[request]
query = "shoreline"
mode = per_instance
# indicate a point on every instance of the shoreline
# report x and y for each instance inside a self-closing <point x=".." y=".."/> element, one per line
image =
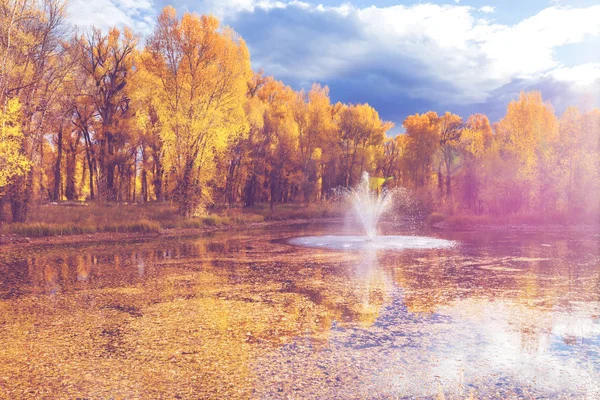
<point x="10" y="241"/>
<point x="513" y="227"/>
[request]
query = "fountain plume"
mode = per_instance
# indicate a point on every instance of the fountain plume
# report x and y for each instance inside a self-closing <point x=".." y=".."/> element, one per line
<point x="369" y="205"/>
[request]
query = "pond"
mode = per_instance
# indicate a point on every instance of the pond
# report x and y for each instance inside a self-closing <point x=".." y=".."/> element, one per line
<point x="246" y="314"/>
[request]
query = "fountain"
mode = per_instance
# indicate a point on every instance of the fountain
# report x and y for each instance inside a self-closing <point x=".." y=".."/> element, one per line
<point x="368" y="206"/>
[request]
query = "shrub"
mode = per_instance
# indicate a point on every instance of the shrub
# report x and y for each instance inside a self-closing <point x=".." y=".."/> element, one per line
<point x="41" y="229"/>
<point x="143" y="226"/>
<point x="435" y="218"/>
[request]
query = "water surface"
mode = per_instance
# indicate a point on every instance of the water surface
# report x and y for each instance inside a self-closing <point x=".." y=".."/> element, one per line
<point x="245" y="314"/>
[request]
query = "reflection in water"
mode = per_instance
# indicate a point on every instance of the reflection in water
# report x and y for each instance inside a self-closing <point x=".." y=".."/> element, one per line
<point x="372" y="287"/>
<point x="235" y="317"/>
<point x="51" y="270"/>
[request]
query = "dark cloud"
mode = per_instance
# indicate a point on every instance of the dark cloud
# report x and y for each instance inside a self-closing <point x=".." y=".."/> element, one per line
<point x="291" y="40"/>
<point x="295" y="46"/>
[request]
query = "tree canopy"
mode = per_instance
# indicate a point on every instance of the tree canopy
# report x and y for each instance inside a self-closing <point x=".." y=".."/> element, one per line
<point x="181" y="116"/>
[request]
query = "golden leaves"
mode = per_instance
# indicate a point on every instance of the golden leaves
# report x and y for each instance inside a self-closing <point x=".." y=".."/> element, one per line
<point x="201" y="71"/>
<point x="13" y="162"/>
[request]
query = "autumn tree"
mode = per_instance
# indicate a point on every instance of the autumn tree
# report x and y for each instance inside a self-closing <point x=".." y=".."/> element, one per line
<point x="30" y="34"/>
<point x="590" y="150"/>
<point x="184" y="118"/>
<point x="389" y="161"/>
<point x="362" y="133"/>
<point x="578" y="150"/>
<point x="107" y="61"/>
<point x="450" y="128"/>
<point x="146" y="101"/>
<point x="203" y="71"/>
<point x="526" y="138"/>
<point x="13" y="162"/>
<point x="422" y="132"/>
<point x="250" y="159"/>
<point x="330" y="164"/>
<point x="473" y="145"/>
<point x="83" y="120"/>
<point x="281" y="141"/>
<point x="312" y="112"/>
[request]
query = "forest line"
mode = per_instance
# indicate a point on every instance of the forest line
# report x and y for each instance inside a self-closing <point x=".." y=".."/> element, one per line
<point x="180" y="116"/>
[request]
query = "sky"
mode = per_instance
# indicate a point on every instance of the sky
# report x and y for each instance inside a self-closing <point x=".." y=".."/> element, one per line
<point x="405" y="57"/>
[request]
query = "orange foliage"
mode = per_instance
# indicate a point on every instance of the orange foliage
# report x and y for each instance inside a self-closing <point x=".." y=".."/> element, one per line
<point x="185" y="118"/>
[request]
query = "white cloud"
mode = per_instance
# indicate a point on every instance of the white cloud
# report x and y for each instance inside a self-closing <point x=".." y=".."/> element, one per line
<point x="229" y="8"/>
<point x="581" y="75"/>
<point x="451" y="54"/>
<point x="526" y="50"/>
<point x="104" y="14"/>
<point x="450" y="44"/>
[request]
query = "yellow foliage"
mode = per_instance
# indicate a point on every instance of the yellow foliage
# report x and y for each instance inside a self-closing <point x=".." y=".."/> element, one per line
<point x="201" y="71"/>
<point x="526" y="131"/>
<point x="187" y="115"/>
<point x="13" y="162"/>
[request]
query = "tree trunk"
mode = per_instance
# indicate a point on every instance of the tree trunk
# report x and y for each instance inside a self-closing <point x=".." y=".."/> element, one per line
<point x="250" y="191"/>
<point x="111" y="193"/>
<point x="102" y="156"/>
<point x="84" y="176"/>
<point x="57" y="167"/>
<point x="448" y="181"/>
<point x="134" y="179"/>
<point x="70" y="191"/>
<point x="20" y="194"/>
<point x="230" y="196"/>
<point x="274" y="186"/>
<point x="107" y="165"/>
<point x="91" y="160"/>
<point x="350" y="179"/>
<point x="144" y="185"/>
<point x="187" y="196"/>
<point x="3" y="199"/>
<point x="440" y="177"/>
<point x="43" y="192"/>
<point x="125" y="177"/>
<point x="158" y="178"/>
<point x="91" y="168"/>
<point x="165" y="188"/>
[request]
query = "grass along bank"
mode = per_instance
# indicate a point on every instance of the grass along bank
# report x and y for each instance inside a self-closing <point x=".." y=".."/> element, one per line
<point x="78" y="218"/>
<point x="470" y="221"/>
